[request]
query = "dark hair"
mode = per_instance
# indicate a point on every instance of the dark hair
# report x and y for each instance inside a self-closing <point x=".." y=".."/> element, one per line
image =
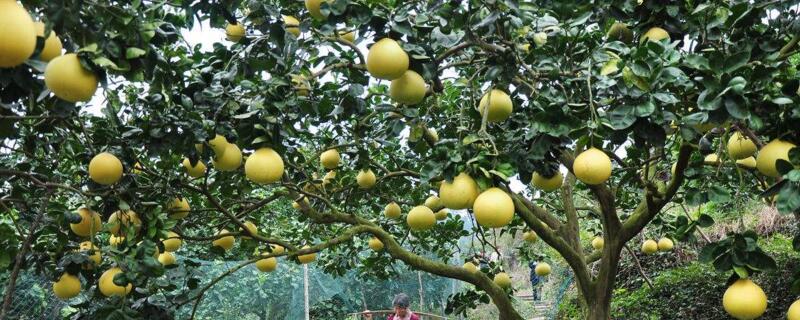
<point x="401" y="300"/>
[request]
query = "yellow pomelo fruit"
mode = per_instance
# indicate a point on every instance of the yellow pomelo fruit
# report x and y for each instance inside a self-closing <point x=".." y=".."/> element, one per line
<point x="277" y="249"/>
<point x="329" y="178"/>
<point x="68" y="80"/>
<point x="493" y="208"/>
<point x="470" y="267"/>
<point x="387" y="60"/>
<point x="776" y="149"/>
<point x="502" y="280"/>
<point x="665" y="244"/>
<point x="251" y="230"/>
<point x="219" y="145"/>
<point x="744" y="300"/>
<point x="297" y="205"/>
<point x="459" y="194"/>
<point x="115" y="240"/>
<point x="540" y="38"/>
<point x="711" y="159"/>
<point x="375" y="244"/>
<point x="89" y="225"/>
<point x="348" y="36"/>
<point x="392" y="211"/>
<point x="105" y="169"/>
<point x="17" y="34"/>
<point x="172" y="243"/>
<point x="329" y="159"/>
<point x="120" y="219"/>
<point x="547" y="184"/>
<point x="442" y="214"/>
<point x="366" y="179"/>
<point x="655" y="34"/>
<point x="530" y="236"/>
<point x="619" y="32"/>
<point x="307" y="258"/>
<point x="166" y="258"/>
<point x="230" y="160"/>
<point x="433" y="202"/>
<point x="592" y="166"/>
<point x="292" y="25"/>
<point x="740" y="147"/>
<point x="178" y="208"/>
<point x="300" y="84"/>
<point x="234" y="32"/>
<point x="598" y="243"/>
<point x="408" y="89"/>
<point x="107" y="286"/>
<point x="749" y="162"/>
<point x="264" y="166"/>
<point x="195" y="172"/>
<point x="794" y="311"/>
<point x="225" y="242"/>
<point x="649" y="246"/>
<point x="95" y="256"/>
<point x="313" y="7"/>
<point x="52" y="45"/>
<point x="421" y="218"/>
<point x="499" y="105"/>
<point x="67" y="286"/>
<point x="542" y="269"/>
<point x="267" y="264"/>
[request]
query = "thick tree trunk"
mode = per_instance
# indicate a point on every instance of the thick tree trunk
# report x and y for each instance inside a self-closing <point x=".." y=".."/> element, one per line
<point x="601" y="290"/>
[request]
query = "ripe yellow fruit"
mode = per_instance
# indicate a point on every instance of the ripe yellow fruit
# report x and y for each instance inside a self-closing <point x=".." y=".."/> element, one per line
<point x="230" y="160"/>
<point x="366" y="179"/>
<point x="195" y="172"/>
<point x="277" y="249"/>
<point x="740" y="147"/>
<point x="115" y="240"/>
<point x="264" y="166"/>
<point x="502" y="280"/>
<point x="348" y="36"/>
<point x="711" y="159"/>
<point x="542" y="269"/>
<point x="442" y="214"/>
<point x="120" y="219"/>
<point x="18" y="36"/>
<point x="178" y="208"/>
<point x="619" y="32"/>
<point x="267" y="264"/>
<point x="95" y="257"/>
<point x="307" y="258"/>
<point x="459" y="194"/>
<point x="649" y="246"/>
<point x="292" y="25"/>
<point x="107" y="286"/>
<point x="300" y="84"/>
<point x="329" y="159"/>
<point x="547" y="184"/>
<point x="67" y="286"/>
<point x="68" y="80"/>
<point x="219" y="145"/>
<point x="655" y="34"/>
<point x="89" y="225"/>
<point x="744" y="300"/>
<point x="499" y="105"/>
<point x="313" y="7"/>
<point x="530" y="236"/>
<point x="540" y="38"/>
<point x="408" y="89"/>
<point x="433" y="202"/>
<point x="592" y="166"/>
<point x="296" y="205"/>
<point x="387" y="60"/>
<point x="328" y="178"/>
<point x="392" y="211"/>
<point x="52" y="45"/>
<point x="251" y="230"/>
<point x="234" y="32"/>
<point x="776" y="149"/>
<point x="166" y="258"/>
<point x="225" y="242"/>
<point x="794" y="311"/>
<point x="470" y="267"/>
<point x="375" y="244"/>
<point x="494" y="208"/>
<point x="749" y="162"/>
<point x="172" y="243"/>
<point x="598" y="243"/>
<point x="105" y="169"/>
<point x="421" y="218"/>
<point x="665" y="244"/>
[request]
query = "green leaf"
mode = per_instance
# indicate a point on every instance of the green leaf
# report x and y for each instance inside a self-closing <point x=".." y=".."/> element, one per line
<point x="718" y="194"/>
<point x="134" y="52"/>
<point x="781" y="100"/>
<point x="736" y="61"/>
<point x="705" y="220"/>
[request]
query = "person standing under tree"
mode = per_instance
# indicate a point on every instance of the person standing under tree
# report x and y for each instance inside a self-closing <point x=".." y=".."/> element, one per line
<point x="535" y="280"/>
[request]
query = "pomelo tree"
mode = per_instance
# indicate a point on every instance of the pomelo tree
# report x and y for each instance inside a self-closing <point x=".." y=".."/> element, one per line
<point x="341" y="130"/>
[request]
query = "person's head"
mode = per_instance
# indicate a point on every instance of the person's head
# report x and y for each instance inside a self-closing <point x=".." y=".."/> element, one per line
<point x="401" y="302"/>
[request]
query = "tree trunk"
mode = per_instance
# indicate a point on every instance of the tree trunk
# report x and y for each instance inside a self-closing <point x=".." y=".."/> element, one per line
<point x="599" y="301"/>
